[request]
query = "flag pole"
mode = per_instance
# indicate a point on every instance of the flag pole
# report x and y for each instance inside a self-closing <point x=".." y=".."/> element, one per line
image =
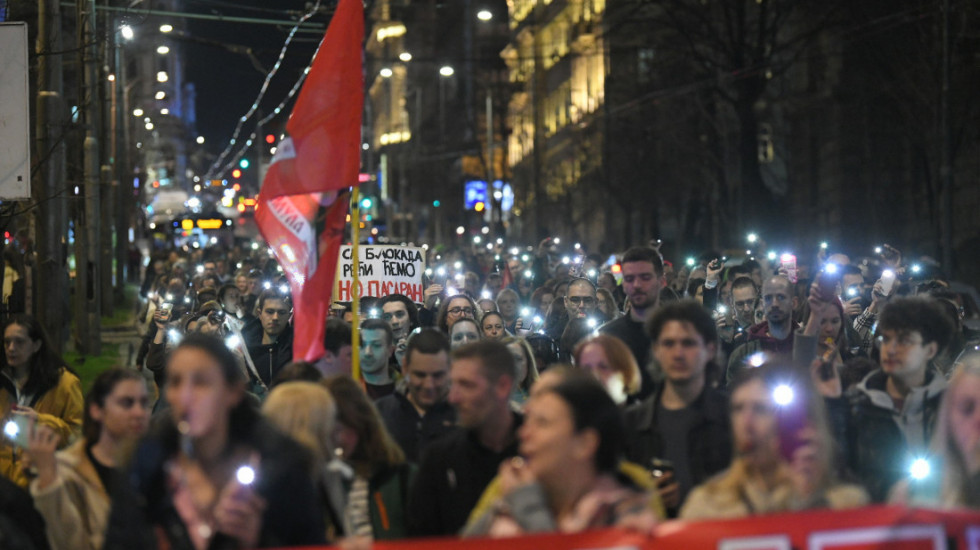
<point x="355" y="237"/>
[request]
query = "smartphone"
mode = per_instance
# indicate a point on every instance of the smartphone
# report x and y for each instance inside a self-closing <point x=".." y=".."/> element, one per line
<point x="659" y="468"/>
<point x="887" y="281"/>
<point x="791" y="419"/>
<point x="827" y="284"/>
<point x="17" y="429"/>
<point x="166" y="309"/>
<point x="788" y="263"/>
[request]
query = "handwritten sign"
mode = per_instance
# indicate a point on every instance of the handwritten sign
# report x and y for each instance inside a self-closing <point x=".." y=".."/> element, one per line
<point x="383" y="270"/>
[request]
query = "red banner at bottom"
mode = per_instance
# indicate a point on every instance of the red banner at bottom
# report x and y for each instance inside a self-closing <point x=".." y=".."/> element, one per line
<point x="892" y="528"/>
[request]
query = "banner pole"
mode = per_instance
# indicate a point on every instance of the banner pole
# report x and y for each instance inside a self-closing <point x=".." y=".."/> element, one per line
<point x="355" y="294"/>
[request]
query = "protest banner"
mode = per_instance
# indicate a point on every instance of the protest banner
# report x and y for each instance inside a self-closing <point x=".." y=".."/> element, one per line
<point x="383" y="270"/>
<point x="871" y="528"/>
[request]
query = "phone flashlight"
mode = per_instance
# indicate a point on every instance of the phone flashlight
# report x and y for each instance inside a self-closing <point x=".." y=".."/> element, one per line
<point x="232" y="341"/>
<point x="878" y="250"/>
<point x="266" y="285"/>
<point x="441" y="271"/>
<point x="722" y="309"/>
<point x="477" y="239"/>
<point x="556" y="240"/>
<point x="200" y="269"/>
<point x="592" y="273"/>
<point x="783" y="395"/>
<point x="771" y="256"/>
<point x="916" y="268"/>
<point x="284" y="288"/>
<point x="537" y="319"/>
<point x="374" y="313"/>
<point x="752" y="237"/>
<point x="528" y="274"/>
<point x="428" y="272"/>
<point x="458" y="265"/>
<point x="514" y="251"/>
<point x="525" y="311"/>
<point x="565" y="260"/>
<point x="592" y="322"/>
<point x="578" y="246"/>
<point x="245" y="475"/>
<point x="486" y="295"/>
<point x="451" y="291"/>
<point x="690" y="262"/>
<point x="823" y="245"/>
<point x="920" y="469"/>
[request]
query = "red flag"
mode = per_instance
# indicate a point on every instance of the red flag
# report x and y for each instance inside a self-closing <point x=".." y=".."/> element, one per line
<point x="300" y="212"/>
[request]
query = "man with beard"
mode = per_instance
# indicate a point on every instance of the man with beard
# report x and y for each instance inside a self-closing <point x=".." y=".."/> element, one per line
<point x="269" y="337"/>
<point x="643" y="278"/>
<point x="775" y="335"/>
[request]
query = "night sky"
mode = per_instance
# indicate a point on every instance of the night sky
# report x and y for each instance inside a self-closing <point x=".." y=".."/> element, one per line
<point x="227" y="81"/>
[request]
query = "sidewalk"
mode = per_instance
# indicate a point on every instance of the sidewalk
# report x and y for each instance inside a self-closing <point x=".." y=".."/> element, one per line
<point x="120" y="343"/>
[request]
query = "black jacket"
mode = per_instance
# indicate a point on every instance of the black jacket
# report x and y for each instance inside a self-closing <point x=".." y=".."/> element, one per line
<point x="878" y="449"/>
<point x="709" y="442"/>
<point x="413" y="432"/>
<point x="636" y="338"/>
<point x="453" y="474"/>
<point x="268" y="359"/>
<point x="143" y="510"/>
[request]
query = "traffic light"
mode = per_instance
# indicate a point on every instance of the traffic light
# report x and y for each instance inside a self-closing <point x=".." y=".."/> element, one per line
<point x="236" y="173"/>
<point x="436" y="203"/>
<point x="243" y="164"/>
<point x="367" y="202"/>
<point x="270" y="139"/>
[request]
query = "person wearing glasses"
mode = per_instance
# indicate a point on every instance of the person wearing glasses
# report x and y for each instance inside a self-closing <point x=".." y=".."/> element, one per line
<point x="454" y="309"/>
<point x="581" y="299"/>
<point x="893" y="410"/>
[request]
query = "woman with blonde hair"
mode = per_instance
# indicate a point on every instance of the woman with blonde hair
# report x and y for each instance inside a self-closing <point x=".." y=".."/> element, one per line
<point x="950" y="478"/>
<point x="527" y="369"/>
<point x="783" y="459"/>
<point x="611" y="361"/>
<point x="306" y="412"/>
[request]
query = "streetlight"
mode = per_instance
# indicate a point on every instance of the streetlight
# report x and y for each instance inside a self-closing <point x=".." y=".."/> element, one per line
<point x="200" y="140"/>
<point x="484" y="15"/>
<point x="166" y="27"/>
<point x="162" y="76"/>
<point x="405" y="56"/>
<point x="161" y="95"/>
<point x="127" y="32"/>
<point x="163" y="50"/>
<point x="386" y="72"/>
<point x="446" y="71"/>
<point x="137" y="112"/>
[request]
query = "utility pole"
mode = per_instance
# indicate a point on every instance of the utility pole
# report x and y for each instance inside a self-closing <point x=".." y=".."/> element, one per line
<point x="51" y="216"/>
<point x="88" y="301"/>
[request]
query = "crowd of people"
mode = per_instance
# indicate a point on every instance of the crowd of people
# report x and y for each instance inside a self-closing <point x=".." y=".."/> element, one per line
<point x="530" y="391"/>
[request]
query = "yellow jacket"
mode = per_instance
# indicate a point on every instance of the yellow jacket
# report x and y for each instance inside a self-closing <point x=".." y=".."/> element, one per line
<point x="60" y="408"/>
<point x="75" y="506"/>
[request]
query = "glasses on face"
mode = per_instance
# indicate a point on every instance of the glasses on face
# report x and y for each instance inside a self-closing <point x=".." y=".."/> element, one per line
<point x="581" y="300"/>
<point x="461" y="310"/>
